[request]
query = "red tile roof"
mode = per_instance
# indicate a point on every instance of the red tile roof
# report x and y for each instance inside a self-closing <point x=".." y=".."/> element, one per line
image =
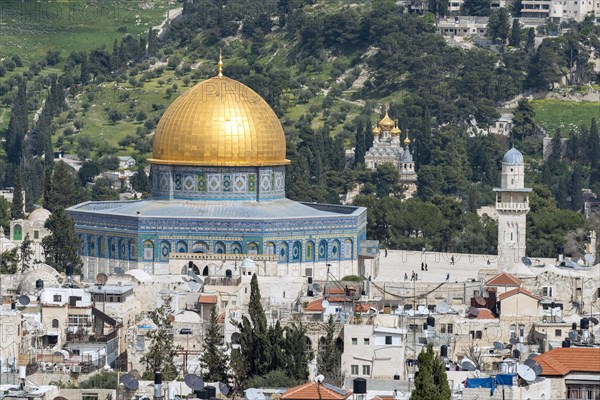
<point x="207" y="299"/>
<point x="561" y="361"/>
<point x="336" y="290"/>
<point x="516" y="291"/>
<point x="315" y="306"/>
<point x="484" y="313"/>
<point x="361" y="307"/>
<point x="312" y="390"/>
<point x="504" y="279"/>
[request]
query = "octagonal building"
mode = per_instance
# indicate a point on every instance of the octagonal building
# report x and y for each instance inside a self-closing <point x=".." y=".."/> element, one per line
<point x="218" y="197"/>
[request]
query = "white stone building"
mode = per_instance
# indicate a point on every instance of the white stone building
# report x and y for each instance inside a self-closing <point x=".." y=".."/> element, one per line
<point x="33" y="226"/>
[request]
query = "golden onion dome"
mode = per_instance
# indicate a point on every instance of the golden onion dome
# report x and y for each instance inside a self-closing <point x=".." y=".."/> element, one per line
<point x="407" y="140"/>
<point x="219" y="122"/>
<point x="395" y="130"/>
<point x="386" y="124"/>
<point x="376" y="131"/>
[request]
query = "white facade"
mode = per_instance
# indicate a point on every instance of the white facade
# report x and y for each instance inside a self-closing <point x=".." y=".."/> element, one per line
<point x="512" y="206"/>
<point x="560" y="9"/>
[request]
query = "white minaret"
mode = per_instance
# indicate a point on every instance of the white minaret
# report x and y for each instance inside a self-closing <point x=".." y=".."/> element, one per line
<point x="512" y="205"/>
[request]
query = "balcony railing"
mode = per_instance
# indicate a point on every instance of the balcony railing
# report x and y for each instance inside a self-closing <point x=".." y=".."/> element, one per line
<point x="512" y="206"/>
<point x="81" y="337"/>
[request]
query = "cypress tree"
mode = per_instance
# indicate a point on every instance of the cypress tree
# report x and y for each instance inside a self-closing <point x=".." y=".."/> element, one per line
<point x="556" y="147"/>
<point x="60" y="246"/>
<point x="16" y="210"/>
<point x="577" y="183"/>
<point x="593" y="152"/>
<point x="530" y="43"/>
<point x="297" y="354"/>
<point x="431" y="381"/>
<point x="64" y="191"/>
<point x="214" y="359"/>
<point x="515" y="34"/>
<point x="360" y="149"/>
<point x="329" y="358"/>
<point x="17" y="126"/>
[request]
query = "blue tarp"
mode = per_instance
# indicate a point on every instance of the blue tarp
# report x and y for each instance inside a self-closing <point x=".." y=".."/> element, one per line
<point x="504" y="379"/>
<point x="475" y="383"/>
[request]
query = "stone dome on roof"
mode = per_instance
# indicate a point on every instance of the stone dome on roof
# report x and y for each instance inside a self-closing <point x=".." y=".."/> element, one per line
<point x="44" y="272"/>
<point x="219" y="122"/>
<point x="39" y="214"/>
<point x="513" y="157"/>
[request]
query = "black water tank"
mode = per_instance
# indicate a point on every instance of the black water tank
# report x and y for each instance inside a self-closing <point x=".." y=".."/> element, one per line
<point x="359" y="386"/>
<point x="566" y="343"/>
<point x="157" y="378"/>
<point x="39" y="284"/>
<point x="70" y="269"/>
<point x="516" y="354"/>
<point x="310" y="280"/>
<point x="574" y="326"/>
<point x="396" y="377"/>
<point x="584" y="324"/>
<point x="444" y="351"/>
<point x="228" y="274"/>
<point x="430" y="321"/>
<point x="211" y="391"/>
<point x="201" y="394"/>
<point x="13" y="305"/>
<point x="424" y="326"/>
<point x="310" y="293"/>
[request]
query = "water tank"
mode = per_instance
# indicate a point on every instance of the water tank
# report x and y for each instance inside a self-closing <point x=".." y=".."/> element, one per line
<point x="13" y="305"/>
<point x="444" y="351"/>
<point x="201" y="394"/>
<point x="574" y="326"/>
<point x="516" y="354"/>
<point x="211" y="391"/>
<point x="310" y="280"/>
<point x="157" y="377"/>
<point x="310" y="293"/>
<point x="566" y="343"/>
<point x="70" y="269"/>
<point x="396" y="377"/>
<point x="39" y="284"/>
<point x="359" y="386"/>
<point x="431" y="321"/>
<point x="584" y="324"/>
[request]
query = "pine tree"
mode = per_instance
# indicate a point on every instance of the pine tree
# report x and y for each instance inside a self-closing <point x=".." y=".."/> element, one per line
<point x="160" y="355"/>
<point x="329" y="358"/>
<point x="360" y="147"/>
<point x="556" y="147"/>
<point x="17" y="126"/>
<point x="214" y="360"/>
<point x="60" y="247"/>
<point x="278" y="346"/>
<point x="16" y="210"/>
<point x="530" y="43"/>
<point x="26" y="253"/>
<point x="64" y="191"/>
<point x="297" y="354"/>
<point x="515" y="33"/>
<point x="431" y="381"/>
<point x="577" y="183"/>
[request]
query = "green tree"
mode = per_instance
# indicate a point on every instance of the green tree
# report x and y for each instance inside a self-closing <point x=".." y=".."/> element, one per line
<point x="386" y="179"/>
<point x="523" y="124"/>
<point x="530" y="42"/>
<point x="214" y="360"/>
<point x="329" y="357"/>
<point x="60" y="247"/>
<point x="9" y="261"/>
<point x="17" y="127"/>
<point x="140" y="181"/>
<point x="88" y="171"/>
<point x="16" y="210"/>
<point x="431" y="381"/>
<point x="297" y="356"/>
<point x="479" y="8"/>
<point x="593" y="151"/>
<point x="556" y="147"/>
<point x="103" y="191"/>
<point x="498" y="26"/>
<point x="515" y="33"/>
<point x="26" y="253"/>
<point x="160" y="355"/>
<point x="64" y="191"/>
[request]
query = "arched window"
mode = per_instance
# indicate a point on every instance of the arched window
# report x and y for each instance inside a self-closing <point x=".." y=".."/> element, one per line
<point x="205" y="271"/>
<point x="236" y="248"/>
<point x="348" y="249"/>
<point x="235" y="338"/>
<point x="55" y="323"/>
<point x="148" y="250"/>
<point x="17" y="232"/>
<point x="308" y="343"/>
<point x="323" y="251"/>
<point x="310" y="251"/>
<point x="220" y="248"/>
<point x="132" y="250"/>
<point x="335" y="250"/>
<point x="283" y="252"/>
<point x="252" y="248"/>
<point x="297" y="252"/>
<point x="101" y="246"/>
<point x="270" y="248"/>
<point x="181" y="247"/>
<point x="165" y="249"/>
<point x="200" y="247"/>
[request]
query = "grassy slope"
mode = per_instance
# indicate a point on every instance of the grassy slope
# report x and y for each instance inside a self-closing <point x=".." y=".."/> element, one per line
<point x="566" y="115"/>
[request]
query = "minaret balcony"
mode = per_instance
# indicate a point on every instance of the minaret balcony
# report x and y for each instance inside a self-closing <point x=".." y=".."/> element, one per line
<point x="512" y="206"/>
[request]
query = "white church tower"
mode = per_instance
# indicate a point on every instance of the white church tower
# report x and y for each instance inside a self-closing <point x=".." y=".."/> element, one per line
<point x="512" y="205"/>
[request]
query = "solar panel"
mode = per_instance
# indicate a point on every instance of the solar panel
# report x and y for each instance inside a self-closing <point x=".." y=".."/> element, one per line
<point x="335" y="389"/>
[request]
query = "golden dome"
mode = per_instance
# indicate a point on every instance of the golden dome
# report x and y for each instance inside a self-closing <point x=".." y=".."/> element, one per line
<point x="395" y="130"/>
<point x="386" y="124"/>
<point x="376" y="131"/>
<point x="407" y="140"/>
<point x="219" y="122"/>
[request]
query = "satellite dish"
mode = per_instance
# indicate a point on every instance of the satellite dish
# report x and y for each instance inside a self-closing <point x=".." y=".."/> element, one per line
<point x="171" y="318"/>
<point x="473" y="311"/>
<point x="325" y="303"/>
<point x="467" y="364"/>
<point x="512" y="340"/>
<point x="532" y="355"/>
<point x="119" y="271"/>
<point x="594" y="320"/>
<point x="526" y="373"/>
<point x="317" y="287"/>
<point x="319" y="378"/>
<point x="224" y="389"/>
<point x="194" y="286"/>
<point x="480" y="300"/>
<point x="130" y="382"/>
<point x="442" y="307"/>
<point x="526" y="261"/>
<point x="194" y="382"/>
<point x="101" y="278"/>
<point x="24" y="300"/>
<point x="534" y="365"/>
<point x="498" y="346"/>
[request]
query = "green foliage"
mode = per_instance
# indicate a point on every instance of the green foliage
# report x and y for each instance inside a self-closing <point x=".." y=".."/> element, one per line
<point x="431" y="382"/>
<point x="103" y="190"/>
<point x="60" y="247"/>
<point x="214" y="360"/>
<point x="498" y="26"/>
<point x="161" y="353"/>
<point x="26" y="253"/>
<point x="100" y="380"/>
<point x="329" y="357"/>
<point x="16" y="209"/>
<point x="64" y="190"/>
<point x="277" y="378"/>
<point x="352" y="278"/>
<point x="10" y="261"/>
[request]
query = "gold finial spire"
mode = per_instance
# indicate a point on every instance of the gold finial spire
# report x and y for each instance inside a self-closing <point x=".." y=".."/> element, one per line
<point x="407" y="140"/>
<point x="220" y="63"/>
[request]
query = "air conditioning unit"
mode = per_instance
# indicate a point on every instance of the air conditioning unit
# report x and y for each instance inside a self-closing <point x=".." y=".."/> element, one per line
<point x="76" y="369"/>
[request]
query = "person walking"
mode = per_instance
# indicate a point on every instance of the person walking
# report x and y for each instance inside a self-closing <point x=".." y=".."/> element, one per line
<point x="452" y="260"/>
<point x="426" y="267"/>
<point x="447" y="276"/>
<point x="422" y="266"/>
